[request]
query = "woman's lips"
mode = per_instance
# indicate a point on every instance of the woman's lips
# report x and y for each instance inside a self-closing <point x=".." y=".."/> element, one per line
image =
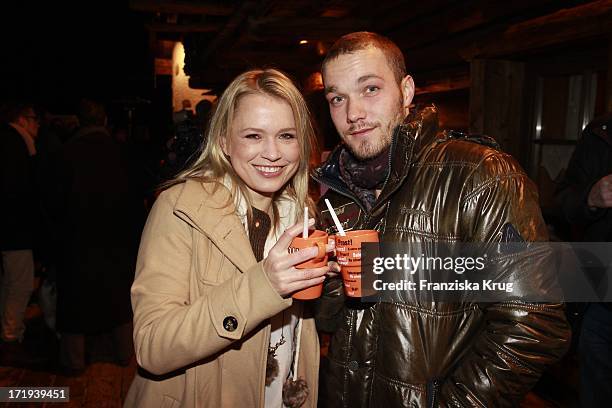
<point x="269" y="171"/>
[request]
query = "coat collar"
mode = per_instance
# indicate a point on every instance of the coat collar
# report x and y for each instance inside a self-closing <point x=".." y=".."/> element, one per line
<point x="205" y="207"/>
<point x="417" y="132"/>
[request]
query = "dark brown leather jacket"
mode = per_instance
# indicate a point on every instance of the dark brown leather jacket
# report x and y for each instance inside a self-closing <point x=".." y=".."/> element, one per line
<point x="439" y="354"/>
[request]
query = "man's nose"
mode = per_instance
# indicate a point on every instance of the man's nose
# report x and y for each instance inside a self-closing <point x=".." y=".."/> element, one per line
<point x="355" y="111"/>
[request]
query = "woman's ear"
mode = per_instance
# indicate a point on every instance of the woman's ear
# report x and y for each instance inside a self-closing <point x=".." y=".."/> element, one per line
<point x="407" y="88"/>
<point x="223" y="141"/>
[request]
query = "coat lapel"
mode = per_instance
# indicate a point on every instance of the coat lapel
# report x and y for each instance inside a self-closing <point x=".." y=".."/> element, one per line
<point x="209" y="213"/>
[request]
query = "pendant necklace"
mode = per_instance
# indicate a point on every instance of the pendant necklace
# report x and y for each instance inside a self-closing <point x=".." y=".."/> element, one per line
<point x="272" y="366"/>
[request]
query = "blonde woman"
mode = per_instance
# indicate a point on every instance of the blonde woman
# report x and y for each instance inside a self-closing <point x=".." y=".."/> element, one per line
<point x="214" y="322"/>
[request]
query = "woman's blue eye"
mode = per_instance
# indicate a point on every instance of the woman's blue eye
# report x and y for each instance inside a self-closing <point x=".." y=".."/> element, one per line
<point x="287" y="136"/>
<point x="252" y="136"/>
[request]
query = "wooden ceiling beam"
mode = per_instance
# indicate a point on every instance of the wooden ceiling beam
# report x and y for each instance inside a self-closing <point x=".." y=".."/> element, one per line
<point x="184" y="28"/>
<point x="316" y="28"/>
<point x="463" y="20"/>
<point x="230" y="30"/>
<point x="572" y="24"/>
<point x="181" y="7"/>
<point x="242" y="58"/>
<point x="443" y="82"/>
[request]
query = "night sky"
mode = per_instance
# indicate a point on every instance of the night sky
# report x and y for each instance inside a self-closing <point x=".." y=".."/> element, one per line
<point x="56" y="53"/>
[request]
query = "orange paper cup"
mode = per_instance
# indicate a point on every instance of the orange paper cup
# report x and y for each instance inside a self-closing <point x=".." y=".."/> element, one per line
<point x="348" y="253"/>
<point x="315" y="238"/>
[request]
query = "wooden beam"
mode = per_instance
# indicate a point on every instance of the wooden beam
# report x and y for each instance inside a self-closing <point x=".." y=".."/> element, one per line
<point x="228" y="32"/>
<point x="461" y="22"/>
<point x="443" y="83"/>
<point x="584" y="21"/>
<point x="163" y="66"/>
<point x="184" y="28"/>
<point x="609" y="77"/>
<point x="496" y="103"/>
<point x="181" y="7"/>
<point x="317" y="28"/>
<point x="280" y="58"/>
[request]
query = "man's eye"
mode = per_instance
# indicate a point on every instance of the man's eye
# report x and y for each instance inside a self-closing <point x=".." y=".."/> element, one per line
<point x="336" y="100"/>
<point x="287" y="136"/>
<point x="372" y="89"/>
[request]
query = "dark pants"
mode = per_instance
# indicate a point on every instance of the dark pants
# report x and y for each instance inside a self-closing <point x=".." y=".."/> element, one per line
<point x="73" y="353"/>
<point x="596" y="357"/>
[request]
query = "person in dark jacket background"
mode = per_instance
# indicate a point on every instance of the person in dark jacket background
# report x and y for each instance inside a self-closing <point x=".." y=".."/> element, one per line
<point x="396" y="174"/>
<point x="585" y="197"/>
<point x="18" y="216"/>
<point x="100" y="222"/>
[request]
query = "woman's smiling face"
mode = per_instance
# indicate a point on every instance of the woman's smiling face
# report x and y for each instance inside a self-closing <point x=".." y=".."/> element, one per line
<point x="262" y="145"/>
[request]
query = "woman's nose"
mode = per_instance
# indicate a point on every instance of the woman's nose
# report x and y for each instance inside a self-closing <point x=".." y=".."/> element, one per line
<point x="271" y="150"/>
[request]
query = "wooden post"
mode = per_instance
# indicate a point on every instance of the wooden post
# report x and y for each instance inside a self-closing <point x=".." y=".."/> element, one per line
<point x="496" y="104"/>
<point x="609" y="77"/>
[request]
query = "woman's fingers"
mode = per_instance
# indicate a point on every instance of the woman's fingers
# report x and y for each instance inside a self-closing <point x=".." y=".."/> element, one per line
<point x="311" y="273"/>
<point x="308" y="283"/>
<point x="285" y="239"/>
<point x="286" y="260"/>
<point x="305" y="278"/>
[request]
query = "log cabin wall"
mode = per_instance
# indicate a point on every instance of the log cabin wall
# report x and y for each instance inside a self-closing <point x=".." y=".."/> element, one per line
<point x="530" y="73"/>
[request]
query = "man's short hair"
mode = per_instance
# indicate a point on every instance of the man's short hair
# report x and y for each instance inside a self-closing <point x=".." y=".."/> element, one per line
<point x="361" y="40"/>
<point x="91" y="113"/>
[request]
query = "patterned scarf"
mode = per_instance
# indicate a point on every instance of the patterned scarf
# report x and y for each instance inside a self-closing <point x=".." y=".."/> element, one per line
<point x="364" y="177"/>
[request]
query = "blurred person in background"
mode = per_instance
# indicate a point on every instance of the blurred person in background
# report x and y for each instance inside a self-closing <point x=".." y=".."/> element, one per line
<point x="585" y="198"/>
<point x="19" y="212"/>
<point x="99" y="227"/>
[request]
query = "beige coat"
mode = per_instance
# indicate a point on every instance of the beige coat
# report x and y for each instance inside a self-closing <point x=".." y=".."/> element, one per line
<point x="195" y="270"/>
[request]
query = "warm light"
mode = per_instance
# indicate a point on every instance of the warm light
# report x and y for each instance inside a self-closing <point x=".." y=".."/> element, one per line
<point x="181" y="92"/>
<point x="302" y="42"/>
<point x="314" y="82"/>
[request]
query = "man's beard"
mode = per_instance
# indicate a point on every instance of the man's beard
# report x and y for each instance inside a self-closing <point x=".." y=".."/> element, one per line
<point x="368" y="148"/>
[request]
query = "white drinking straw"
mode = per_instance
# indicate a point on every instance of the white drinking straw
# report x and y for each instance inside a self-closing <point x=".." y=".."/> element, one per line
<point x="305" y="232"/>
<point x="297" y="348"/>
<point x="335" y="218"/>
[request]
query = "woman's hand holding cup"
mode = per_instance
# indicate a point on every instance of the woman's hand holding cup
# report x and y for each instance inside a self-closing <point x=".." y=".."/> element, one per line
<point x="280" y="266"/>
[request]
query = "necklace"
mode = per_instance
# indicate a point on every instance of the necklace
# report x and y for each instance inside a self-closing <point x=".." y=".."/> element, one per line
<point x="272" y="366"/>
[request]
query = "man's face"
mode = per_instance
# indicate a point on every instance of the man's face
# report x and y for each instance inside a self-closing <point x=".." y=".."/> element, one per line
<point x="365" y="101"/>
<point x="30" y="122"/>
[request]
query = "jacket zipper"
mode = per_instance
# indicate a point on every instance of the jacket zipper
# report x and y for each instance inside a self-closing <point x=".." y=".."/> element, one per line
<point x="332" y="186"/>
<point x="434" y="385"/>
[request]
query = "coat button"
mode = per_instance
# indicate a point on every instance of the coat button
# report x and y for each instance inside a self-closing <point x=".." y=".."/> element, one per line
<point x="230" y="323"/>
<point x="353" y="365"/>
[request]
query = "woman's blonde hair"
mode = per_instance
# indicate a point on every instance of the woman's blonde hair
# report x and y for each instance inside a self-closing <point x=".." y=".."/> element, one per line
<point x="212" y="164"/>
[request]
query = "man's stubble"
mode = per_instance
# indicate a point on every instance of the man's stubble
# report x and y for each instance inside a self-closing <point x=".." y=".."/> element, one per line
<point x="368" y="149"/>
